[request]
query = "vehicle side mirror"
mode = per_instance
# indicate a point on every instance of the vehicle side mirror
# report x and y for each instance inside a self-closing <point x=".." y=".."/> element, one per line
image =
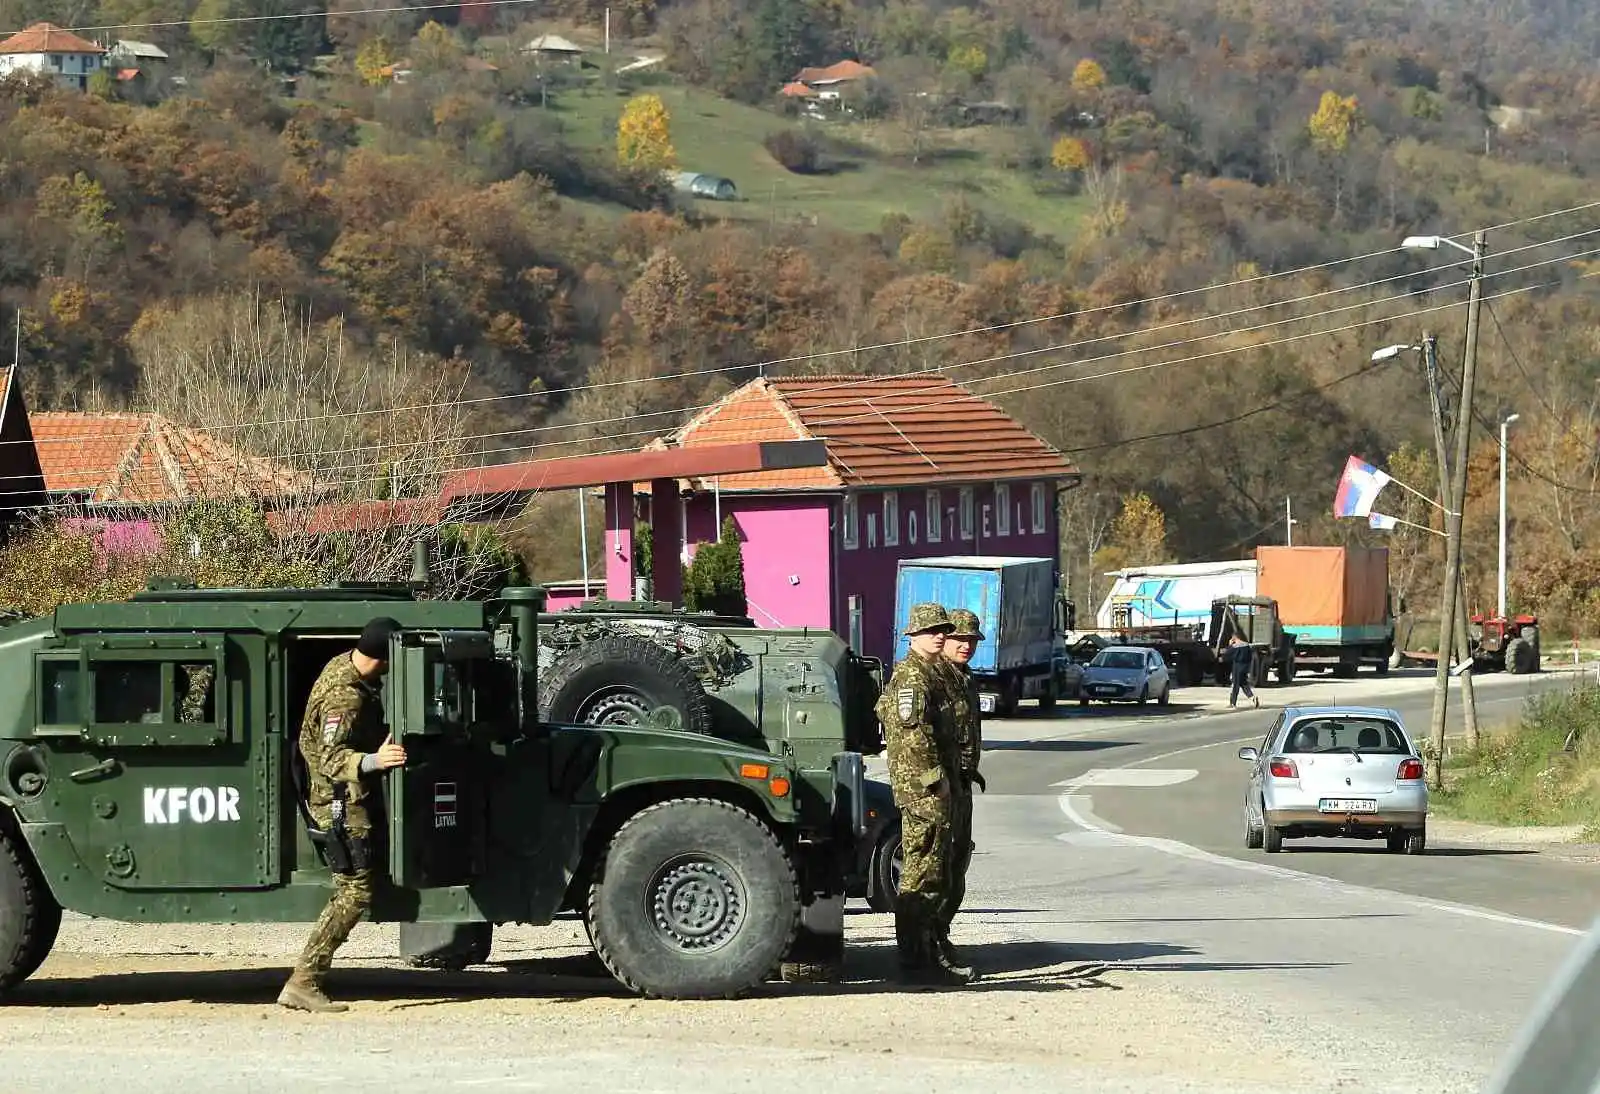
<point x="1249" y="754"/>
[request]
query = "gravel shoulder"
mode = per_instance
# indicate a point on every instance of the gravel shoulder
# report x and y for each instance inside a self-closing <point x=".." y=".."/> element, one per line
<point x="543" y="1014"/>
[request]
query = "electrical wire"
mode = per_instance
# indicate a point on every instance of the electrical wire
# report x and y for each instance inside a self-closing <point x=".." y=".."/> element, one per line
<point x="292" y="15"/>
<point x="408" y="445"/>
<point x="368" y="480"/>
<point x="589" y="423"/>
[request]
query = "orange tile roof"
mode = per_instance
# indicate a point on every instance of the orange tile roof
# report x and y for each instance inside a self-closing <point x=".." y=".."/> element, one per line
<point x="879" y="430"/>
<point x="148" y="459"/>
<point x="47" y="38"/>
<point x="358" y="516"/>
<point x="840" y="70"/>
<point x="796" y="89"/>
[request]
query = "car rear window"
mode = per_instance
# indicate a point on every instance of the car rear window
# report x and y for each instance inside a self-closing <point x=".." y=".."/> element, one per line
<point x="1376" y="735"/>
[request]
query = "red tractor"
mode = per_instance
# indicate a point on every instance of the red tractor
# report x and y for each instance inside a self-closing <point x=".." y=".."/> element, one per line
<point x="1506" y="645"/>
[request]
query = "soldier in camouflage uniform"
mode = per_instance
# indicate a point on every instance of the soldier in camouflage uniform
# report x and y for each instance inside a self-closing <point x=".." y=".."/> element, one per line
<point x="923" y="770"/>
<point x="343" y="740"/>
<point x="959" y="647"/>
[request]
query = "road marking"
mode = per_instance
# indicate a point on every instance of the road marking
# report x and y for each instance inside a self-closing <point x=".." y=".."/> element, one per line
<point x="1131" y="776"/>
<point x="1106" y="832"/>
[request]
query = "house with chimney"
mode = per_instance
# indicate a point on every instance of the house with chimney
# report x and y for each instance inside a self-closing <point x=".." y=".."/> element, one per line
<point x="47" y="49"/>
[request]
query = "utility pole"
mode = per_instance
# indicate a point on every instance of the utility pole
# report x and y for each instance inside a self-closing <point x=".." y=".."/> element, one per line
<point x="1463" y="645"/>
<point x="1458" y="494"/>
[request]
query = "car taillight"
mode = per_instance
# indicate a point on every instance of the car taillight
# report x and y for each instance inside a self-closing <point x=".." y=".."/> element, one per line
<point x="1410" y="771"/>
<point x="1283" y="769"/>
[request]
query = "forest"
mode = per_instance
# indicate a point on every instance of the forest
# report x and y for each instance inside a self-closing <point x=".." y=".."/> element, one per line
<point x="1165" y="235"/>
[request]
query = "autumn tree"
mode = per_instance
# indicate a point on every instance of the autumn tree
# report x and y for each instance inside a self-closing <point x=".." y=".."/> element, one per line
<point x="1087" y="75"/>
<point x="1069" y="154"/>
<point x="644" y="134"/>
<point x="1335" y="120"/>
<point x="1138" y="536"/>
<point x="372" y="58"/>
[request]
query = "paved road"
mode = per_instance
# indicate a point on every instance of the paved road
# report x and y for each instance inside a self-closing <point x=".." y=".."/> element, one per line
<point x="1120" y="839"/>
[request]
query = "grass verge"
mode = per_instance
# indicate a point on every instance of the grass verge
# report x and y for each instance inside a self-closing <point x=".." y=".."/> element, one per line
<point x="1526" y="775"/>
<point x="725" y="138"/>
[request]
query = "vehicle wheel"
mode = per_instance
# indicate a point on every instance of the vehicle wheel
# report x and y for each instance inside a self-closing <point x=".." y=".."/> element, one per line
<point x="1520" y="656"/>
<point x="29" y="914"/>
<point x="886" y="861"/>
<point x="696" y="899"/>
<point x="1416" y="841"/>
<point x="1144" y="695"/>
<point x="620" y="680"/>
<point x="1382" y="666"/>
<point x="448" y="946"/>
<point x="1271" y="838"/>
<point x="1047" y="700"/>
<point x="1166" y="693"/>
<point x="1253" y="834"/>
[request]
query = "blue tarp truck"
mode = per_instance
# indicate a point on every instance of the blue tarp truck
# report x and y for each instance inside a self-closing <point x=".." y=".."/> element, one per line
<point x="1024" y="618"/>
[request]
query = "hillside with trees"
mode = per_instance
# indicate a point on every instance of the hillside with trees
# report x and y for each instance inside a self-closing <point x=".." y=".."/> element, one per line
<point x="1033" y="196"/>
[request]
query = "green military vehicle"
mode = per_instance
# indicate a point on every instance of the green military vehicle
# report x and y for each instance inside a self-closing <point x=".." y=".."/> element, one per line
<point x="149" y="773"/>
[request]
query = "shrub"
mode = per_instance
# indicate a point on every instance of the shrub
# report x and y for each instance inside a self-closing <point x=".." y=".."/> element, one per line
<point x="797" y="151"/>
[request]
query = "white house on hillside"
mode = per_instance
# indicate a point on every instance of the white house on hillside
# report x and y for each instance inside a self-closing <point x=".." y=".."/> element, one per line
<point x="45" y="47"/>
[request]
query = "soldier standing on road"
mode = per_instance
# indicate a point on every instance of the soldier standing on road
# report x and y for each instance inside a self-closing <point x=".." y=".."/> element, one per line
<point x="344" y="742"/>
<point x="923" y="771"/>
<point x="959" y="646"/>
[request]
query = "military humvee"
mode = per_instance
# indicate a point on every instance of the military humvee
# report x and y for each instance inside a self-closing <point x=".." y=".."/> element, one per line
<point x="149" y="772"/>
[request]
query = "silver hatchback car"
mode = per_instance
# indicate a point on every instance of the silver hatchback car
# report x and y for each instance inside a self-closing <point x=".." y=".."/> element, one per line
<point x="1336" y="771"/>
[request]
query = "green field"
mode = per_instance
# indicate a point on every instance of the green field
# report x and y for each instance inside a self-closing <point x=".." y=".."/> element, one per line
<point x="720" y="137"/>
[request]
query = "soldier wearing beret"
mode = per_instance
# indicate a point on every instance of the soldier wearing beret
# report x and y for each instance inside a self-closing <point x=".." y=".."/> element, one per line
<point x="924" y="768"/>
<point x="959" y="646"/>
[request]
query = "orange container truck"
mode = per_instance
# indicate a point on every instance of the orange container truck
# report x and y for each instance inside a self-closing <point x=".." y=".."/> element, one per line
<point x="1335" y="601"/>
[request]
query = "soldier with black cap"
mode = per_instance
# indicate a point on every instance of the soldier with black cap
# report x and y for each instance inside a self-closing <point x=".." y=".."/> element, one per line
<point x="345" y="744"/>
<point x="923" y="769"/>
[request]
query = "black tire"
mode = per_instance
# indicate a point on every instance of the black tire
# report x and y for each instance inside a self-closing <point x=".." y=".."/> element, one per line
<point x="1047" y="698"/>
<point x="619" y="679"/>
<point x="1271" y="839"/>
<point x="1521" y="657"/>
<point x="448" y="946"/>
<point x="1416" y="841"/>
<point x="1253" y="833"/>
<point x="741" y="882"/>
<point x="29" y="914"/>
<point x="885" y="870"/>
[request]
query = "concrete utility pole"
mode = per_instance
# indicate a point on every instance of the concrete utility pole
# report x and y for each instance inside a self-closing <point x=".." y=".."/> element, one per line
<point x="1463" y="645"/>
<point x="1458" y="492"/>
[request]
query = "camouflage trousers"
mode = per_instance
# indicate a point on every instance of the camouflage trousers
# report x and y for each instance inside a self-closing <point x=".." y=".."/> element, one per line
<point x="352" y="896"/>
<point x="955" y="890"/>
<point x="925" y="846"/>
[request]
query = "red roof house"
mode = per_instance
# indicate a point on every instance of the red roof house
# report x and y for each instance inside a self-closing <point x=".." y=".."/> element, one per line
<point x="917" y="466"/>
<point x="47" y="49"/>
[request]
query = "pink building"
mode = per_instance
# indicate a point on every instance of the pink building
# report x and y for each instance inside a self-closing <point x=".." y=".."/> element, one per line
<point x="917" y="466"/>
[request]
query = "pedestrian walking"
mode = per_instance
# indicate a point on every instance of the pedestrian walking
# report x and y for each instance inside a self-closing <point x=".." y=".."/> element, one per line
<point x="1242" y="659"/>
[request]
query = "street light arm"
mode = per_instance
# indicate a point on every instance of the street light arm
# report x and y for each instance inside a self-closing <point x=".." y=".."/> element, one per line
<point x="1431" y="243"/>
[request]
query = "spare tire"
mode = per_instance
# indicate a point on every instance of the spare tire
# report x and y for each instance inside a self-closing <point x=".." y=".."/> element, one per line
<point x="621" y="680"/>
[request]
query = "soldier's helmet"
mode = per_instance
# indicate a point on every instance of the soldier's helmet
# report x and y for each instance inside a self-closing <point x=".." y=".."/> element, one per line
<point x="928" y="617"/>
<point x="966" y="624"/>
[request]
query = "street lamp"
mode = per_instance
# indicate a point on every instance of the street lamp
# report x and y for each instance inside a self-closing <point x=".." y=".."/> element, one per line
<point x="1458" y="492"/>
<point x="1389" y="353"/>
<point x="1501" y="601"/>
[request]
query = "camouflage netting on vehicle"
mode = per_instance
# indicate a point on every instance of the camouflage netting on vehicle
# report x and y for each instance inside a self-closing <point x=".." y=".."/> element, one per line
<point x="715" y="659"/>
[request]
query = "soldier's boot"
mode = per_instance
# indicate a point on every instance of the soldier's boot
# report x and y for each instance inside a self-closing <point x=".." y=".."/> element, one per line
<point x="908" y="938"/>
<point x="946" y="962"/>
<point x="302" y="992"/>
<point x="947" y="949"/>
<point x="935" y="970"/>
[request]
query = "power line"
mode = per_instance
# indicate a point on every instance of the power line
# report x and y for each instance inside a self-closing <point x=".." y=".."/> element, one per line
<point x="292" y="15"/>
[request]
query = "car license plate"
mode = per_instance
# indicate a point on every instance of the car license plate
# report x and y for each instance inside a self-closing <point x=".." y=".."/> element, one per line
<point x="986" y="703"/>
<point x="1103" y="690"/>
<point x="1348" y="805"/>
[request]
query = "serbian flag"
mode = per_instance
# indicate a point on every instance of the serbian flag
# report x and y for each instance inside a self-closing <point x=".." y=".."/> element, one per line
<point x="1359" y="487"/>
<point x="1381" y="522"/>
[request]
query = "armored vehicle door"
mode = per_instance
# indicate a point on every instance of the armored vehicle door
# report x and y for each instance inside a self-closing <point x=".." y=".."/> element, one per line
<point x="436" y="802"/>
<point x="163" y="777"/>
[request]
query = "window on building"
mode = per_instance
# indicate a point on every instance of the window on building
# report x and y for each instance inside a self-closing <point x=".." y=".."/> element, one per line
<point x="968" y="503"/>
<point x="891" y="519"/>
<point x="1002" y="509"/>
<point x="852" y="526"/>
<point x="935" y="515"/>
<point x="1041" y="507"/>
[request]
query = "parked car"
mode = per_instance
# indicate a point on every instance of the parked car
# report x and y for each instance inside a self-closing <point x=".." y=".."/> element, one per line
<point x="875" y="875"/>
<point x="1125" y="673"/>
<point x="1336" y="771"/>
